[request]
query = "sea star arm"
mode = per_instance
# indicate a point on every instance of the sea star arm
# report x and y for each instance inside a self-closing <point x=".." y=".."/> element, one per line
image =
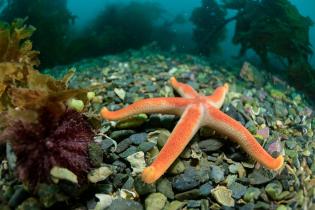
<point x="185" y="129"/>
<point x="182" y="89"/>
<point x="238" y="133"/>
<point x="218" y="96"/>
<point x="152" y="105"/>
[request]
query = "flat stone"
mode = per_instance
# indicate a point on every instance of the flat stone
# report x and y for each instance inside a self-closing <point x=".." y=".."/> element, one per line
<point x="123" y="204"/>
<point x="138" y="138"/>
<point x="123" y="145"/>
<point x="210" y="145"/>
<point x="217" y="174"/>
<point x="165" y="187"/>
<point x="155" y="201"/>
<point x="143" y="188"/>
<point x="121" y="134"/>
<point x="145" y="146"/>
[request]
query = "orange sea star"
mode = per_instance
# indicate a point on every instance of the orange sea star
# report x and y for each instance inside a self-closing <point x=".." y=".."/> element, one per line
<point x="196" y="111"/>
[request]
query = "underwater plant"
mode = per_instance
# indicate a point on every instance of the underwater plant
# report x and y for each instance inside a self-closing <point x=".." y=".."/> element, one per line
<point x="35" y="119"/>
<point x="52" y="20"/>
<point x="209" y="30"/>
<point x="276" y="27"/>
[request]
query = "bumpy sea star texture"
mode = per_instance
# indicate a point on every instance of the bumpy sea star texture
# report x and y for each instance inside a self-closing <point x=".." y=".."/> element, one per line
<point x="196" y="111"/>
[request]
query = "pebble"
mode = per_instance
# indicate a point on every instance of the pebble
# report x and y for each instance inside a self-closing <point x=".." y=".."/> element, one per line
<point x="205" y="189"/>
<point x="99" y="174"/>
<point x="95" y="154"/>
<point x="210" y="145"/>
<point x="145" y="146"/>
<point x="217" y="174"/>
<point x="123" y="204"/>
<point x="165" y="187"/>
<point x="175" y="205"/>
<point x="155" y="201"/>
<point x="143" y="188"/>
<point x="138" y="138"/>
<point x="123" y="145"/>
<point x="238" y="190"/>
<point x="189" y="179"/>
<point x="177" y="167"/>
<point x="121" y="134"/>
<point x="131" y="150"/>
<point x="251" y="194"/>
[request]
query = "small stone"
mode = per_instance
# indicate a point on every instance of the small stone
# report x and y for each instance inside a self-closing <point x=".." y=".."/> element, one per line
<point x="106" y="144"/>
<point x="217" y="174"/>
<point x="155" y="201"/>
<point x="123" y="204"/>
<point x="123" y="145"/>
<point x="58" y="173"/>
<point x="190" y="194"/>
<point x="251" y="194"/>
<point x="143" y="188"/>
<point x="121" y="134"/>
<point x="95" y="154"/>
<point x="177" y="167"/>
<point x="131" y="150"/>
<point x="175" y="205"/>
<point x="128" y="184"/>
<point x="99" y="174"/>
<point x="223" y="196"/>
<point x="146" y="146"/>
<point x="104" y="201"/>
<point x="165" y="187"/>
<point x="137" y="162"/>
<point x="138" y="138"/>
<point x="274" y="189"/>
<point x="210" y="145"/>
<point x="119" y="179"/>
<point x="29" y="204"/>
<point x="190" y="179"/>
<point x="238" y="190"/>
<point x="193" y="203"/>
<point x="260" y="176"/>
<point x="205" y="189"/>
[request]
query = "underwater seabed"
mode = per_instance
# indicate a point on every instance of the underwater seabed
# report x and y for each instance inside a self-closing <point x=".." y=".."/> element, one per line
<point x="211" y="173"/>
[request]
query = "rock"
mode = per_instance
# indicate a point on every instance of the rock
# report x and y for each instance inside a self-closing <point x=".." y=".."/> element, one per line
<point x="217" y="174"/>
<point x="99" y="174"/>
<point x="210" y="145"/>
<point x="131" y="150"/>
<point x="193" y="203"/>
<point x="189" y="179"/>
<point x="143" y="188"/>
<point x="251" y="194"/>
<point x="260" y="176"/>
<point x="274" y="190"/>
<point x="155" y="201"/>
<point x="145" y="146"/>
<point x="128" y="184"/>
<point x="238" y="190"/>
<point x="138" y="138"/>
<point x="223" y="196"/>
<point x="29" y="204"/>
<point x="106" y="144"/>
<point x="18" y="196"/>
<point x="123" y="204"/>
<point x="177" y="167"/>
<point x="119" y="179"/>
<point x="175" y="205"/>
<point x="123" y="145"/>
<point x="205" y="189"/>
<point x="190" y="194"/>
<point x="165" y="187"/>
<point x="58" y="173"/>
<point x="121" y="134"/>
<point x="132" y="122"/>
<point x="137" y="162"/>
<point x="104" y="201"/>
<point x="95" y="154"/>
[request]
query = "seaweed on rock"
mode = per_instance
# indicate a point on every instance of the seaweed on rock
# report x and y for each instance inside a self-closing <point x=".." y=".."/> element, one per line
<point x="34" y="119"/>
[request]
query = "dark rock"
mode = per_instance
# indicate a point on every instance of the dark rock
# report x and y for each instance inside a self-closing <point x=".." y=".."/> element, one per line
<point x="138" y="138"/>
<point x="205" y="189"/>
<point x="145" y="146"/>
<point x="143" y="188"/>
<point x="190" y="194"/>
<point x="120" y="166"/>
<point x="119" y="179"/>
<point x="123" y="145"/>
<point x="190" y="178"/>
<point x="128" y="184"/>
<point x="210" y="145"/>
<point x="193" y="203"/>
<point x="121" y="134"/>
<point x="217" y="174"/>
<point x="131" y="150"/>
<point x="106" y="144"/>
<point x="95" y="154"/>
<point x="165" y="187"/>
<point x="238" y="190"/>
